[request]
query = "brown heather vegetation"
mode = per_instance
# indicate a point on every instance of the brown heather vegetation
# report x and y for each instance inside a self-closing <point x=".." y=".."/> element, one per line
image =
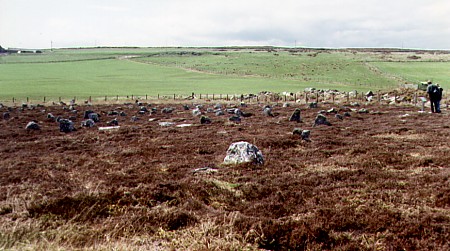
<point x="376" y="181"/>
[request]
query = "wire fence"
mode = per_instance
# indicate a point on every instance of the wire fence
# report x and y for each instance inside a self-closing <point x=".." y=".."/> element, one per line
<point x="395" y="96"/>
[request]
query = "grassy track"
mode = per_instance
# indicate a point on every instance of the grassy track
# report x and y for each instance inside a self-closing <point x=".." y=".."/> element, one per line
<point x="166" y="71"/>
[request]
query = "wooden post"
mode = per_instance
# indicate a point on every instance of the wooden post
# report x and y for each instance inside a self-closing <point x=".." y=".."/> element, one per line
<point x="174" y="96"/>
<point x="227" y="98"/>
<point x="348" y="97"/>
<point x="306" y="97"/>
<point x="13" y="99"/>
<point x="200" y="96"/>
<point x="220" y="97"/>
<point x="106" y="98"/>
<point x="90" y="99"/>
<point x="59" y="99"/>
<point x="213" y="96"/>
<point x="117" y="97"/>
<point x="132" y="97"/>
<point x="145" y="96"/>
<point x="44" y="99"/>
<point x="28" y="99"/>
<point x="332" y="96"/>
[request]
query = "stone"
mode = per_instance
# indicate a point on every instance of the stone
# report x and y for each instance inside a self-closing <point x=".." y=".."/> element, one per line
<point x="113" y="113"/>
<point x="347" y="114"/>
<point x="86" y="114"/>
<point x="205" y="120"/>
<point x="220" y="113"/>
<point x="186" y="107"/>
<point x="332" y="110"/>
<point x="167" y="110"/>
<point x="304" y="134"/>
<point x="235" y="119"/>
<point x="113" y="122"/>
<point x="32" y="125"/>
<point x="267" y="111"/>
<point x="94" y="116"/>
<point x="295" y="116"/>
<point x="218" y="106"/>
<point x="209" y="110"/>
<point x="66" y="125"/>
<point x="196" y="112"/>
<point x="143" y="109"/>
<point x="286" y="105"/>
<point x="134" y="119"/>
<point x="243" y="152"/>
<point x="363" y="110"/>
<point x="321" y="120"/>
<point x="88" y="123"/>
<point x="166" y="124"/>
<point x="122" y="114"/>
<point x="313" y="105"/>
<point x="6" y="115"/>
<point x="50" y="116"/>
<point x="339" y="116"/>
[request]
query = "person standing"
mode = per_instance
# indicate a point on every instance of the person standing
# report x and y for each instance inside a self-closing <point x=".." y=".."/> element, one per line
<point x="435" y="97"/>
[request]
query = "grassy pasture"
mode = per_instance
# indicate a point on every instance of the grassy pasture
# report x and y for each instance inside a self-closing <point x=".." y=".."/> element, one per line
<point x="166" y="71"/>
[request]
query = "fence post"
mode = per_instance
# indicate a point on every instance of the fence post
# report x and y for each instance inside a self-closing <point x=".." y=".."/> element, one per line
<point x="348" y="97"/>
<point x="145" y="96"/>
<point x="213" y="96"/>
<point x="106" y="98"/>
<point x="332" y="96"/>
<point x="28" y="99"/>
<point x="59" y="99"/>
<point x="158" y="95"/>
<point x="200" y="96"/>
<point x="174" y="96"/>
<point x="44" y="99"/>
<point x="13" y="99"/>
<point x="132" y="97"/>
<point x="90" y="99"/>
<point x="227" y="97"/>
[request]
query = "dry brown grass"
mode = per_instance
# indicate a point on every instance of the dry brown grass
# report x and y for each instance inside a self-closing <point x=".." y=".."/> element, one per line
<point x="377" y="181"/>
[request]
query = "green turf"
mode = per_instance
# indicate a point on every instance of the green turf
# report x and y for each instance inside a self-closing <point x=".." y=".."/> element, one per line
<point x="167" y="71"/>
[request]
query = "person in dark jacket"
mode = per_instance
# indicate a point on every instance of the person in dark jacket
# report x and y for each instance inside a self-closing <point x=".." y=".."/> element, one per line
<point x="435" y="95"/>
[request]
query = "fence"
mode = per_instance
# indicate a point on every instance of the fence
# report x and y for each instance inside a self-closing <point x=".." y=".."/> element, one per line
<point x="411" y="96"/>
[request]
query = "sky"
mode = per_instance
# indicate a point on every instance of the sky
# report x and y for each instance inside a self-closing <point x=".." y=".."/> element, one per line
<point x="41" y="24"/>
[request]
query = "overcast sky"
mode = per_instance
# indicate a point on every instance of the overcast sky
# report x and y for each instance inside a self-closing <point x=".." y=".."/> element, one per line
<point x="311" y="23"/>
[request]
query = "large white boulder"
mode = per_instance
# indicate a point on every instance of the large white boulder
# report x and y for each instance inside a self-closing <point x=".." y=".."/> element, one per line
<point x="243" y="152"/>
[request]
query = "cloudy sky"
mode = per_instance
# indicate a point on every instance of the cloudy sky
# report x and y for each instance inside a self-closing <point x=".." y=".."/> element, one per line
<point x="310" y="23"/>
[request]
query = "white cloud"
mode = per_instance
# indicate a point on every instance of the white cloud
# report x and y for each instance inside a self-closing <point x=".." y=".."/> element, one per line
<point x="345" y="23"/>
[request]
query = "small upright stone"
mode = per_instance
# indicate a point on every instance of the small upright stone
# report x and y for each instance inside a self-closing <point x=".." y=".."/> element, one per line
<point x="321" y="120"/>
<point x="88" y="123"/>
<point x="205" y="120"/>
<point x="295" y="115"/>
<point x="66" y="126"/>
<point x="235" y="119"/>
<point x="313" y="105"/>
<point x="32" y="125"/>
<point x="267" y="111"/>
<point x="6" y="115"/>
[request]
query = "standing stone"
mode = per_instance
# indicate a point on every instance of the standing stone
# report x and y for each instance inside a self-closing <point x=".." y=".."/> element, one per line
<point x="235" y="118"/>
<point x="32" y="125"/>
<point x="205" y="120"/>
<point x="304" y="134"/>
<point x="94" y="117"/>
<point x="243" y="152"/>
<point x="267" y="111"/>
<point x="196" y="112"/>
<point x="167" y="110"/>
<point x="339" y="116"/>
<point x="113" y="122"/>
<point x="321" y="120"/>
<point x="186" y="107"/>
<point x="313" y="105"/>
<point x="86" y="114"/>
<point x="66" y="126"/>
<point x="295" y="115"/>
<point x="6" y="115"/>
<point x="88" y="123"/>
<point x="219" y="113"/>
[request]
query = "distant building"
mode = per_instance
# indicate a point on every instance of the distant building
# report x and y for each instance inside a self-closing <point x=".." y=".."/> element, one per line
<point x="2" y="50"/>
<point x="19" y="51"/>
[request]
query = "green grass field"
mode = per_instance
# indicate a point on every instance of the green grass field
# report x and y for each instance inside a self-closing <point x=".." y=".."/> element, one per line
<point x="166" y="71"/>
